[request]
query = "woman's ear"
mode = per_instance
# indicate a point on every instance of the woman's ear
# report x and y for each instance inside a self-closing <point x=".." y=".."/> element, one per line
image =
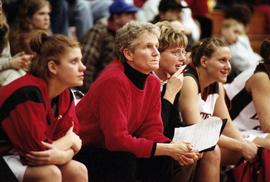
<point x="128" y="54"/>
<point x="52" y="67"/>
<point x="203" y="62"/>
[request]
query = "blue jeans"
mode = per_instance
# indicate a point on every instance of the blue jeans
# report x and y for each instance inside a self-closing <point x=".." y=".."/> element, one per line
<point x="78" y="14"/>
<point x="81" y="16"/>
<point x="100" y="8"/>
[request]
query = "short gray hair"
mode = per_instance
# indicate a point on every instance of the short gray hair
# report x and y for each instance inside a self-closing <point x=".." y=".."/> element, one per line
<point x="131" y="31"/>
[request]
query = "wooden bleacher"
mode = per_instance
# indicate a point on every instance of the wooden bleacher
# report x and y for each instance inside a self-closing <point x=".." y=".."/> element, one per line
<point x="256" y="31"/>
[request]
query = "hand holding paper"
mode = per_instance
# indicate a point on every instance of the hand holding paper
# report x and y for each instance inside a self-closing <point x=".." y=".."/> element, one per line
<point x="183" y="153"/>
<point x="203" y="135"/>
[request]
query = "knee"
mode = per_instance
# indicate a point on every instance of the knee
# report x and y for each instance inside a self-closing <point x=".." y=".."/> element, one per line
<point x="79" y="171"/>
<point x="82" y="172"/>
<point x="51" y="172"/>
<point x="213" y="157"/>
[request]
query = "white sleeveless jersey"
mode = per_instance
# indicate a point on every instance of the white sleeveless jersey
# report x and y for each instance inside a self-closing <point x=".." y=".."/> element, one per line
<point x="207" y="106"/>
<point x="241" y="106"/>
<point x="208" y="101"/>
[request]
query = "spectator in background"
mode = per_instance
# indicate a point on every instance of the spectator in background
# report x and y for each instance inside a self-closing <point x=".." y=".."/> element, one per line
<point x="189" y="23"/>
<point x="120" y="117"/>
<point x="148" y="10"/>
<point x="100" y="8"/>
<point x="59" y="17"/>
<point x="67" y="13"/>
<point x="237" y="12"/>
<point x="33" y="15"/>
<point x="98" y="43"/>
<point x="11" y="68"/>
<point x="169" y="10"/>
<point x="80" y="16"/>
<point x="248" y="100"/>
<point x="242" y="54"/>
<point x="178" y="10"/>
<point x="200" y="12"/>
<point x="39" y="109"/>
<point x="231" y="29"/>
<point x="230" y="32"/>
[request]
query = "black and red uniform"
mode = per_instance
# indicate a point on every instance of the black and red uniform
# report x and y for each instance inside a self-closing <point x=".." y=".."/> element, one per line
<point x="27" y="116"/>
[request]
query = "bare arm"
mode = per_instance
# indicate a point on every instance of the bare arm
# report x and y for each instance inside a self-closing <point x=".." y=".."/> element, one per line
<point x="188" y="101"/>
<point x="231" y="138"/>
<point x="59" y="152"/>
<point x="190" y="107"/>
<point x="64" y="142"/>
<point x="221" y="111"/>
<point x="52" y="155"/>
<point x="69" y="141"/>
<point x="259" y="86"/>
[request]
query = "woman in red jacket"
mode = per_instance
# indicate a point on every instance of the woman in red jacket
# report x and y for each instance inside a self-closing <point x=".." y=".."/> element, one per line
<point x="120" y="116"/>
<point x="38" y="121"/>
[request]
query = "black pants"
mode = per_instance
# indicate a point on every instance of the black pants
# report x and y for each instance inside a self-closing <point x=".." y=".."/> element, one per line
<point x="107" y="166"/>
<point x="183" y="173"/>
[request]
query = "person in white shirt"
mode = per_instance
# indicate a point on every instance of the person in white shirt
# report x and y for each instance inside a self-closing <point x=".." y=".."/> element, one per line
<point x="248" y="98"/>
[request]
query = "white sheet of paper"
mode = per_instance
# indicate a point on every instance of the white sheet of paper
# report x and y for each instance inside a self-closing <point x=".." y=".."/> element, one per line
<point x="202" y="135"/>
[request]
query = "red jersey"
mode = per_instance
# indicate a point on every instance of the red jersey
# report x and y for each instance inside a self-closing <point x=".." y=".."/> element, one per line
<point x="118" y="116"/>
<point x="27" y="117"/>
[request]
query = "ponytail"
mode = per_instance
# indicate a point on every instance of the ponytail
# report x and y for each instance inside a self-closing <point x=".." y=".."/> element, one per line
<point x="205" y="48"/>
<point x="48" y="48"/>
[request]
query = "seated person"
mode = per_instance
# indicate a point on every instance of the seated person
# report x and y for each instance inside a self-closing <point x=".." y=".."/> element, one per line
<point x="38" y="120"/>
<point x="172" y="44"/>
<point x="242" y="54"/>
<point x="14" y="67"/>
<point x="202" y="96"/>
<point x="32" y="16"/>
<point x="248" y="100"/>
<point x="120" y="116"/>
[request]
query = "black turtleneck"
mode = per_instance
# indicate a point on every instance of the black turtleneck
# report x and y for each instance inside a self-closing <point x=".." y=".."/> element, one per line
<point x="137" y="78"/>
